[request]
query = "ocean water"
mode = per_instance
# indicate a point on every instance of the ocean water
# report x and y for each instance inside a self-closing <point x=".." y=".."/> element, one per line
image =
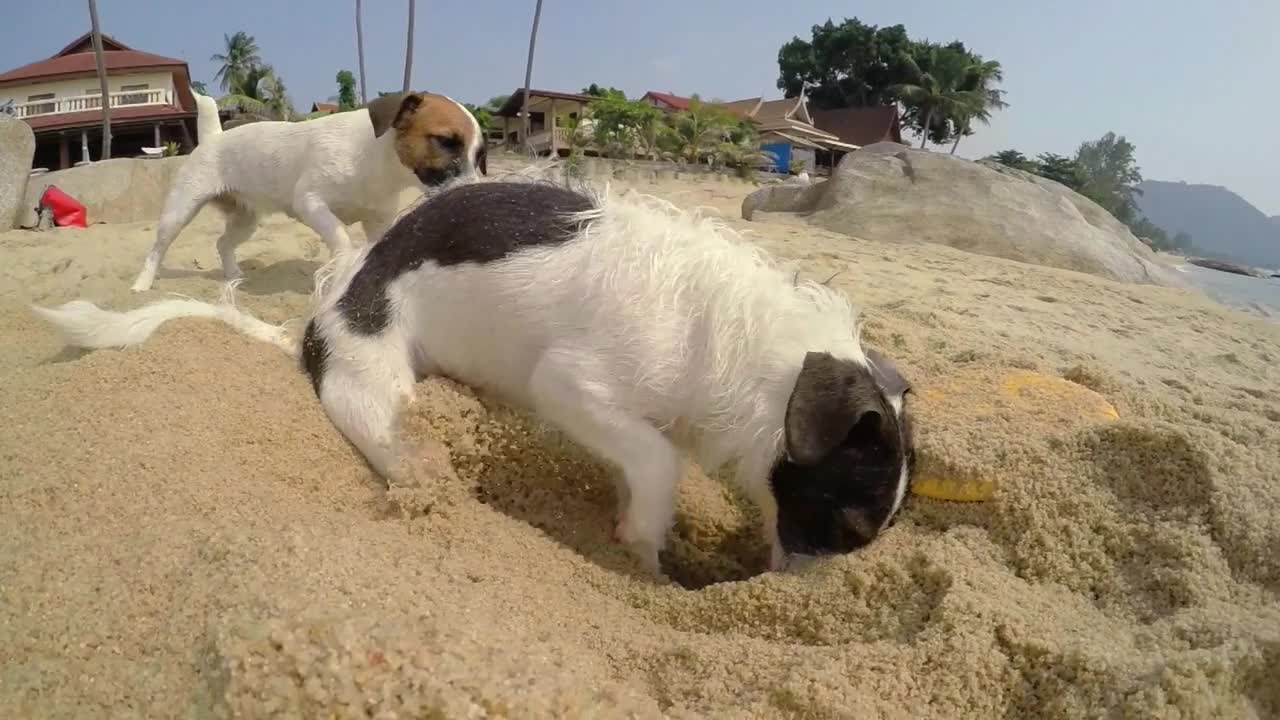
<point x="1258" y="295"/>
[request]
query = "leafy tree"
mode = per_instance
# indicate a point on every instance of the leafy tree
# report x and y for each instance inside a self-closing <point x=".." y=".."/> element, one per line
<point x="346" y="90"/>
<point x="852" y="64"/>
<point x="199" y="87"/>
<point x="934" y="91"/>
<point x="595" y="90"/>
<point x="618" y="124"/>
<point x="260" y="93"/>
<point x="1060" y="169"/>
<point x="982" y="78"/>
<point x="1013" y="159"/>
<point x="482" y="115"/>
<point x="1110" y="174"/>
<point x="496" y="102"/>
<point x="239" y="57"/>
<point x="697" y="133"/>
<point x="1182" y="241"/>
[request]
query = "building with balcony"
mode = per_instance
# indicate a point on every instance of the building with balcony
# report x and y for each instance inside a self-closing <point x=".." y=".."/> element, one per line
<point x="60" y="97"/>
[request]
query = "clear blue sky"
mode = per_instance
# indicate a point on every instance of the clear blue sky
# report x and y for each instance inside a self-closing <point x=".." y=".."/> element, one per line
<point x="1192" y="84"/>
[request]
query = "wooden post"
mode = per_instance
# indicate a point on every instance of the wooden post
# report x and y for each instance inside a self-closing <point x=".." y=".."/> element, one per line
<point x="64" y="152"/>
<point x="528" y="69"/>
<point x="84" y="145"/>
<point x="554" y="148"/>
<point x="102" y="81"/>
<point x="156" y="131"/>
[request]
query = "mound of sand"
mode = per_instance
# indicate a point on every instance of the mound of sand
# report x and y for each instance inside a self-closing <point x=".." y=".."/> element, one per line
<point x="182" y="532"/>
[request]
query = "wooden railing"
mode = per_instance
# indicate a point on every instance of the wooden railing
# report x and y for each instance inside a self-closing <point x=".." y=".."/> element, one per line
<point x="81" y="103"/>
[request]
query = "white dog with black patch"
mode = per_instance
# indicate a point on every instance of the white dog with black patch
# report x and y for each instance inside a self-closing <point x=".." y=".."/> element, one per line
<point x="327" y="173"/>
<point x="640" y="331"/>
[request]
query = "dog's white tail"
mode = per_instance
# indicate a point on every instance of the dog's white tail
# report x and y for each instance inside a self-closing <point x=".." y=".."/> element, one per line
<point x="207" y="123"/>
<point x="85" y="325"/>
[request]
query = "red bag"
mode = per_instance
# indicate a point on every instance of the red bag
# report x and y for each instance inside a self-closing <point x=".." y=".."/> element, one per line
<point x="66" y="209"/>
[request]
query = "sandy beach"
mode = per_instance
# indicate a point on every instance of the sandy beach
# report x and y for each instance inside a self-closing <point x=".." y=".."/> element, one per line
<point x="184" y="534"/>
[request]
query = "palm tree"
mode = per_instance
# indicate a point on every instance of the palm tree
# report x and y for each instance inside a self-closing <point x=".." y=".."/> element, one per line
<point x="408" y="50"/>
<point x="528" y="69"/>
<point x="983" y="75"/>
<point x="241" y="55"/>
<point x="699" y="130"/>
<point x="259" y="93"/>
<point x="102" y="80"/>
<point x="937" y="90"/>
<point x="364" y="97"/>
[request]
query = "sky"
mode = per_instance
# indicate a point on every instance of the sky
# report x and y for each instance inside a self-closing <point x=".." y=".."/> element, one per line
<point x="1189" y="83"/>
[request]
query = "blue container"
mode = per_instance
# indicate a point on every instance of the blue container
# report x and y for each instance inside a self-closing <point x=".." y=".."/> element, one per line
<point x="782" y="153"/>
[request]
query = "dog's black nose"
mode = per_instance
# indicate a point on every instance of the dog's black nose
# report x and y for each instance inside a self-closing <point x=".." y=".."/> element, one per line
<point x="431" y="176"/>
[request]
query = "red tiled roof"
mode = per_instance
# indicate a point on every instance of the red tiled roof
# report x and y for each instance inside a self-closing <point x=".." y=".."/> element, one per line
<point x="62" y="121"/>
<point x="324" y="107"/>
<point x="861" y="126"/>
<point x="84" y="43"/>
<point x="675" y="101"/>
<point x="84" y="64"/>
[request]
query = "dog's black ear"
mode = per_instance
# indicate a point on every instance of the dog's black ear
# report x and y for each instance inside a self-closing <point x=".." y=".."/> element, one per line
<point x="887" y="373"/>
<point x="831" y="399"/>
<point x="389" y="111"/>
<point x="482" y="156"/>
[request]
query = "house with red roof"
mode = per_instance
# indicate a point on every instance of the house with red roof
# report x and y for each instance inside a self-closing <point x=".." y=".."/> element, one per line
<point x="669" y="102"/>
<point x="60" y="97"/>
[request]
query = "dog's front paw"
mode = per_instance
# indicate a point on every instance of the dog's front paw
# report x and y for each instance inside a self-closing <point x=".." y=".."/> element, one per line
<point x="642" y="548"/>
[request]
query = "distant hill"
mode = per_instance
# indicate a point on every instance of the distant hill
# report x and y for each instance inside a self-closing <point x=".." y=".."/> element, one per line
<point x="1221" y="223"/>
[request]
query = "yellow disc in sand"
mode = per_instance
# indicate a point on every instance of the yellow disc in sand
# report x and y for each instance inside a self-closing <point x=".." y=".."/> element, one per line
<point x="1031" y="401"/>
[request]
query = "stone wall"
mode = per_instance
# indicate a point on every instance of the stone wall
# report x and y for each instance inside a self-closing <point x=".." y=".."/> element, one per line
<point x="120" y="190"/>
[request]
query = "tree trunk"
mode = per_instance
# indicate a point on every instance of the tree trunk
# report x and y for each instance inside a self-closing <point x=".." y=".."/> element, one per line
<point x="102" y="80"/>
<point x="408" y="50"/>
<point x="364" y="94"/>
<point x="528" y="71"/>
<point x="956" y="144"/>
<point x="924" y="129"/>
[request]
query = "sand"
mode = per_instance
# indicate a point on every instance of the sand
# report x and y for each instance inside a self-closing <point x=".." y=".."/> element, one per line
<point x="183" y="534"/>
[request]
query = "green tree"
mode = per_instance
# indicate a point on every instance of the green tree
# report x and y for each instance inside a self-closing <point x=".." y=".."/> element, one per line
<point x="934" y="93"/>
<point x="199" y="87"/>
<point x="239" y="57"/>
<point x="496" y="102"/>
<point x="847" y="65"/>
<point x="1110" y="174"/>
<point x="346" y="90"/>
<point x="1060" y="169"/>
<point x="1013" y="159"/>
<point x="620" y="126"/>
<point x="982" y="78"/>
<point x="260" y="93"/>
<point x="595" y="90"/>
<point x="698" y="132"/>
<point x="482" y="115"/>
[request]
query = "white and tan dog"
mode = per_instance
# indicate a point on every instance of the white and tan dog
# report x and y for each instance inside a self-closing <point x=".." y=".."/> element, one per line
<point x="640" y="331"/>
<point x="326" y="173"/>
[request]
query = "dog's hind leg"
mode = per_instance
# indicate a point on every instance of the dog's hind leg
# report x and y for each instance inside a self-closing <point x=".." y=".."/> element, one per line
<point x="179" y="209"/>
<point x="240" y="226"/>
<point x="650" y="464"/>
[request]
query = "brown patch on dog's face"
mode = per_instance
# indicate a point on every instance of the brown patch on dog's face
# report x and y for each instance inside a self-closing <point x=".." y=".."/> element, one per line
<point x="436" y="138"/>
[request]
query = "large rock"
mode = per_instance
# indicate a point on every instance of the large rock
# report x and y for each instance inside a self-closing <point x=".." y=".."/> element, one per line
<point x="892" y="193"/>
<point x="17" y="150"/>
<point x="120" y="190"/>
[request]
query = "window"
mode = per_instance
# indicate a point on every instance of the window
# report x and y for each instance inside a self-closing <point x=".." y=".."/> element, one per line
<point x="137" y="94"/>
<point x="44" y="108"/>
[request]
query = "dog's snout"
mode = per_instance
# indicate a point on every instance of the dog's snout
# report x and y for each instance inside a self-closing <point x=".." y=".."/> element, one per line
<point x="433" y="176"/>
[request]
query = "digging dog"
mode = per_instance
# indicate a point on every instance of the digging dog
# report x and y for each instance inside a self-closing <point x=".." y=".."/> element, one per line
<point x="644" y="333"/>
<point x="327" y="173"/>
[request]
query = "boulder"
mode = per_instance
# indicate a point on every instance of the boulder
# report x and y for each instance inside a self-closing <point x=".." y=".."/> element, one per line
<point x="120" y="190"/>
<point x="17" y="150"/>
<point x="892" y="193"/>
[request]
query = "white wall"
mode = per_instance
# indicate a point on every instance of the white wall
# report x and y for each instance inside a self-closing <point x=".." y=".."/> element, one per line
<point x="86" y="86"/>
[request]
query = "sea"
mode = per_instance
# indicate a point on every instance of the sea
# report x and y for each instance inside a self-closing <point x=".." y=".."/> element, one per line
<point x="1260" y="296"/>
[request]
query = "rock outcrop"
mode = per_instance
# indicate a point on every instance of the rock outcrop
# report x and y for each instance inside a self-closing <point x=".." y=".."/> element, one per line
<point x="119" y="190"/>
<point x="892" y="193"/>
<point x="17" y="150"/>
